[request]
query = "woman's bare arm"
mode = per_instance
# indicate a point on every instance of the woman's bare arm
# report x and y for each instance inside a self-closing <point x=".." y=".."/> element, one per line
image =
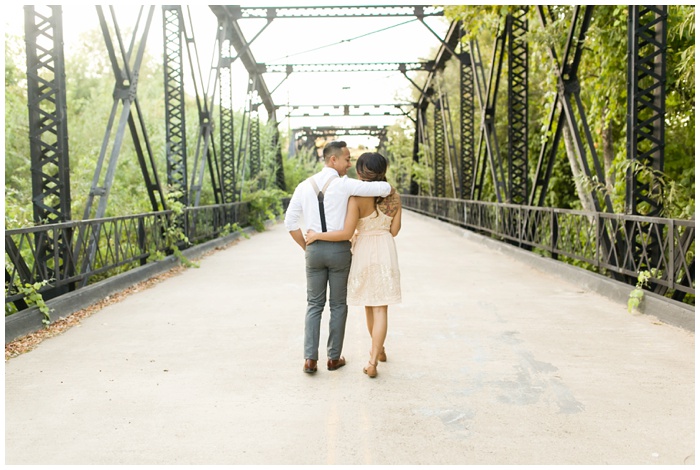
<point x="348" y="231"/>
<point x="396" y="222"/>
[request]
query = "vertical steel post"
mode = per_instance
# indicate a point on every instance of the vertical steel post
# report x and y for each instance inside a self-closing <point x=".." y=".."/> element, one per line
<point x="228" y="170"/>
<point x="646" y="113"/>
<point x="417" y="140"/>
<point x="439" y="156"/>
<point x="467" y="159"/>
<point x="517" y="106"/>
<point x="48" y="135"/>
<point x="175" y="129"/>
<point x="48" y="123"/>
<point x="646" y="104"/>
<point x="255" y="163"/>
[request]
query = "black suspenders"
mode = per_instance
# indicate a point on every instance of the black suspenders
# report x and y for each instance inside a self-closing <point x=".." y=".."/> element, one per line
<point x="320" y="199"/>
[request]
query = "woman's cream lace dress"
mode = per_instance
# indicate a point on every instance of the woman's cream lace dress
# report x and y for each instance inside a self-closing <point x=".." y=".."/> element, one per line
<point x="374" y="274"/>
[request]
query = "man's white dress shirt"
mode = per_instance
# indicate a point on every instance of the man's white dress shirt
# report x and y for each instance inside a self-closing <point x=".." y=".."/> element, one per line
<point x="304" y="202"/>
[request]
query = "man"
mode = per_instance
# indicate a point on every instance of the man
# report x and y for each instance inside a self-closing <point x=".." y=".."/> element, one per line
<point x="327" y="263"/>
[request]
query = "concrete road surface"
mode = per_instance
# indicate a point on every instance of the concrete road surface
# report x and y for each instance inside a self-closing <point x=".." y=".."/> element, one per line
<point x="489" y="362"/>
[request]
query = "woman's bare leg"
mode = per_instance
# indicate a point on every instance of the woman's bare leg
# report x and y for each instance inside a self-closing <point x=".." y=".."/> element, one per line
<point x="379" y="329"/>
<point x="369" y="314"/>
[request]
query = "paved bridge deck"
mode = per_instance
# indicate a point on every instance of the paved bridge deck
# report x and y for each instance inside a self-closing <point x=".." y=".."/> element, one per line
<point x="490" y="362"/>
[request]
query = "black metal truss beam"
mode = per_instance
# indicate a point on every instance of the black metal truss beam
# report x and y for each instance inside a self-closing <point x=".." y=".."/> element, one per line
<point x="126" y="76"/>
<point x="451" y="160"/>
<point x="487" y="92"/>
<point x="466" y="122"/>
<point x="367" y="11"/>
<point x="214" y="174"/>
<point x="347" y="110"/>
<point x="126" y="82"/>
<point x="244" y="159"/>
<point x="418" y="139"/>
<point x="336" y="106"/>
<point x="175" y="125"/>
<point x="255" y="163"/>
<point x="646" y="104"/>
<point x="517" y="27"/>
<point x="441" y="58"/>
<point x="347" y="67"/>
<point x="646" y="114"/>
<point x="48" y="129"/>
<point x="48" y="123"/>
<point x="568" y="90"/>
<point x="427" y="93"/>
<point x="479" y="87"/>
<point x="226" y="129"/>
<point x="343" y="115"/>
<point x="48" y="140"/>
<point x="206" y="149"/>
<point x="330" y="131"/>
<point x="233" y="32"/>
<point x="439" y="150"/>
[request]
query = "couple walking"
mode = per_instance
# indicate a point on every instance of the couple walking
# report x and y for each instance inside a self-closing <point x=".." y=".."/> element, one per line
<point x="333" y="206"/>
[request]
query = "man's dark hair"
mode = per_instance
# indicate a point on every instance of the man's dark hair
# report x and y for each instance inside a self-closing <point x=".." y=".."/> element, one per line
<point x="334" y="148"/>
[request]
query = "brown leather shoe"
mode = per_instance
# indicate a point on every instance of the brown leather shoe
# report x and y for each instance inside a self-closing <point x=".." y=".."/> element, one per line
<point x="310" y="366"/>
<point x="334" y="364"/>
<point x="370" y="370"/>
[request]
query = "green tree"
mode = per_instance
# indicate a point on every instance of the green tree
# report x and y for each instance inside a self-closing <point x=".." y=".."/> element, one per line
<point x="18" y="184"/>
<point x="603" y="81"/>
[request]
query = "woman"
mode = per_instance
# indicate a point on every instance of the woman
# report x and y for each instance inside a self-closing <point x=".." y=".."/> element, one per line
<point x="374" y="279"/>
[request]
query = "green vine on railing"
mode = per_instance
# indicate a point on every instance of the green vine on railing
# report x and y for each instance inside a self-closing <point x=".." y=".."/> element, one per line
<point x="174" y="232"/>
<point x="637" y="293"/>
<point x="233" y="228"/>
<point x="33" y="297"/>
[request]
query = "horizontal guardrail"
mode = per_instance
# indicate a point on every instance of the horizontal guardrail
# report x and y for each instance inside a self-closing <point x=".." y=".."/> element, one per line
<point x="66" y="256"/>
<point x="618" y="245"/>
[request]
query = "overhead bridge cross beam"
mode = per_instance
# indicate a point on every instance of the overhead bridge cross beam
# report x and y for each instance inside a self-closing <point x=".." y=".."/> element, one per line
<point x="330" y="131"/>
<point x="367" y="11"/>
<point x="348" y="67"/>
<point x="306" y="136"/>
<point x="348" y="110"/>
<point x="336" y="106"/>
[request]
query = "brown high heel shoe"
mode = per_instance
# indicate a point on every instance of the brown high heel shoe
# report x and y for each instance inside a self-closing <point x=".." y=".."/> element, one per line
<point x="370" y="370"/>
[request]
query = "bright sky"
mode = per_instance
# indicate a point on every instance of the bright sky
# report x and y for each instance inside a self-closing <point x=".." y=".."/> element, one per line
<point x="291" y="41"/>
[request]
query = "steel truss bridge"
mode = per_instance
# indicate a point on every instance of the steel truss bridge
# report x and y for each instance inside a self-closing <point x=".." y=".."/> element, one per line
<point x="66" y="253"/>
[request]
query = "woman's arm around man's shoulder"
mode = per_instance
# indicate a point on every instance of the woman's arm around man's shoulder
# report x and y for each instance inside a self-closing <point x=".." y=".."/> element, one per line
<point x="348" y="231"/>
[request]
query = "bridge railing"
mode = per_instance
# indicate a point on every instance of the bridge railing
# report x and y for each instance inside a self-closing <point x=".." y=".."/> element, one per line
<point x="618" y="245"/>
<point x="91" y="250"/>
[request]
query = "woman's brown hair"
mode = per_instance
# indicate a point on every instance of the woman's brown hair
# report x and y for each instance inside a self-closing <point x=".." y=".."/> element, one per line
<point x="372" y="166"/>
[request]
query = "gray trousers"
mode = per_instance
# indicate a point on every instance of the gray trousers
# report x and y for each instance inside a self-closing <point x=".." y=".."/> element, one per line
<point x="327" y="264"/>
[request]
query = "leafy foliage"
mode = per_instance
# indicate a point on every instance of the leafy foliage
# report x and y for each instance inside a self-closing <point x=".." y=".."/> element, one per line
<point x="603" y="82"/>
<point x="265" y="204"/>
<point x="33" y="298"/>
<point x="399" y="152"/>
<point x="637" y="294"/>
